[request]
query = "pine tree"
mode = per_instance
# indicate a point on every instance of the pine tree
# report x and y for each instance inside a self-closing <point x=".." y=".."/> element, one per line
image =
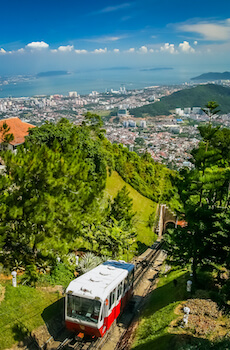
<point x="121" y="208"/>
<point x="6" y="136"/>
<point x="204" y="191"/>
<point x="50" y="188"/>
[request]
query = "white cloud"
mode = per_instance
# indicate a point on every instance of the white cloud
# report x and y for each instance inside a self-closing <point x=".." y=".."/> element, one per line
<point x="131" y="50"/>
<point x="185" y="47"/>
<point x="116" y="50"/>
<point x="67" y="48"/>
<point x="100" y="50"/>
<point x="143" y="49"/>
<point x="81" y="51"/>
<point x="21" y="50"/>
<point x="111" y="8"/>
<point x="54" y="50"/>
<point x="151" y="50"/>
<point x="195" y="42"/>
<point x="106" y="38"/>
<point x="37" y="45"/>
<point x="2" y="51"/>
<point x="212" y="31"/>
<point x="168" y="48"/>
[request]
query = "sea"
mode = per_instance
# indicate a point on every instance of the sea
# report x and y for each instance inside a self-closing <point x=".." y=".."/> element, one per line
<point x="100" y="80"/>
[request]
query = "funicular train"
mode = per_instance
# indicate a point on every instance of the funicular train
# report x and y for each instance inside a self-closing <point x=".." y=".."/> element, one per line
<point x="95" y="299"/>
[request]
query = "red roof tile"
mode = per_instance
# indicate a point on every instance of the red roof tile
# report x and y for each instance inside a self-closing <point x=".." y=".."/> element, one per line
<point x="18" y="128"/>
<point x="182" y="223"/>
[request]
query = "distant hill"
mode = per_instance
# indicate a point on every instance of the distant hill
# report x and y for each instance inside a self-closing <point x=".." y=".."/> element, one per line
<point x="52" y="73"/>
<point x="192" y="97"/>
<point x="213" y="76"/>
<point x="155" y="69"/>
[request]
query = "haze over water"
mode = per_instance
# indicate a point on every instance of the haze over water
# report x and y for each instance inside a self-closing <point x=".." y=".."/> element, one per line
<point x="100" y="80"/>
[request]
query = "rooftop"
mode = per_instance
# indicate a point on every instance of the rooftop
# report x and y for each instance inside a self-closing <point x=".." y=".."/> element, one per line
<point x="18" y="128"/>
<point x="101" y="280"/>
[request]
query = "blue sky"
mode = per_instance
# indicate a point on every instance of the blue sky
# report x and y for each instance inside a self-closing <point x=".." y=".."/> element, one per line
<point x="48" y="35"/>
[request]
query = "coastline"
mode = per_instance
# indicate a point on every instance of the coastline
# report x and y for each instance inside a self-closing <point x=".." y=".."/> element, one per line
<point x="98" y="80"/>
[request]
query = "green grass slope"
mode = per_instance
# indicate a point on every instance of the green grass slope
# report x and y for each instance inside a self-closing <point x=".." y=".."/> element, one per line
<point x="152" y="332"/>
<point x="160" y="324"/>
<point x="23" y="310"/>
<point x="194" y="97"/>
<point x="141" y="205"/>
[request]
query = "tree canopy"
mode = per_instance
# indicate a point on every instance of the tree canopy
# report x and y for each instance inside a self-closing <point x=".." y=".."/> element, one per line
<point x="51" y="194"/>
<point x="205" y="193"/>
<point x="51" y="186"/>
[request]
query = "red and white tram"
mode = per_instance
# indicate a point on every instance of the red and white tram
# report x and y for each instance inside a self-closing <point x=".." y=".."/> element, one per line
<point x="95" y="299"/>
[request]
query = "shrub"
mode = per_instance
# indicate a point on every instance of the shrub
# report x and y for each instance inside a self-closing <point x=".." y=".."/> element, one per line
<point x="88" y="262"/>
<point x="61" y="275"/>
<point x="202" y="307"/>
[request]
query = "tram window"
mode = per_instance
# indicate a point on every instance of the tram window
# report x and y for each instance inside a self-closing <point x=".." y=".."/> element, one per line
<point x="119" y="290"/>
<point x="126" y="283"/>
<point x="86" y="309"/>
<point x="132" y="277"/>
<point x="102" y="313"/>
<point x="111" y="298"/>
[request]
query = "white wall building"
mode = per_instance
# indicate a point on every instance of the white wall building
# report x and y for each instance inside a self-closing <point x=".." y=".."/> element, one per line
<point x="73" y="94"/>
<point x="143" y="124"/>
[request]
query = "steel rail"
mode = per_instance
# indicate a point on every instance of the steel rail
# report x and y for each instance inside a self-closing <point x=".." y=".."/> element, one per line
<point x="142" y="265"/>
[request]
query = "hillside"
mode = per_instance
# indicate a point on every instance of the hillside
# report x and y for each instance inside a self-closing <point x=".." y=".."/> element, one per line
<point x="213" y="76"/>
<point x="141" y="205"/>
<point x="193" y="97"/>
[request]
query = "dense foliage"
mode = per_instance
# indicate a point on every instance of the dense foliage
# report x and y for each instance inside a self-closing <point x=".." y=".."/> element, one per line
<point x="50" y="187"/>
<point x="6" y="136"/>
<point x="153" y="180"/>
<point x="205" y="193"/>
<point x="52" y="199"/>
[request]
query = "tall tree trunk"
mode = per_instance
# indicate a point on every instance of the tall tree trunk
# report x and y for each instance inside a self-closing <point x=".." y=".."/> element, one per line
<point x="194" y="268"/>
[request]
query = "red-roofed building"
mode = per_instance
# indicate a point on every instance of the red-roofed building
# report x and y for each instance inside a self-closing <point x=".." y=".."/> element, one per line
<point x="18" y="128"/>
<point x="182" y="223"/>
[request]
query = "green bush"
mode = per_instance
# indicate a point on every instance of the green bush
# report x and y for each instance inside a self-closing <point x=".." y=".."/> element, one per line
<point x="60" y="275"/>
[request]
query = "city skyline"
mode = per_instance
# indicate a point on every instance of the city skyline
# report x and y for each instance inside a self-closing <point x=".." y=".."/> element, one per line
<point x="76" y="35"/>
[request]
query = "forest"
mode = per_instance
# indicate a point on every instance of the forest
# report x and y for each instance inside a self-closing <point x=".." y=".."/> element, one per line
<point x="205" y="197"/>
<point x="53" y="202"/>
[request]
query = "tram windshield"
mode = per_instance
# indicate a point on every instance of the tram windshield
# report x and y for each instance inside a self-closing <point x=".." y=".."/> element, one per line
<point x="83" y="309"/>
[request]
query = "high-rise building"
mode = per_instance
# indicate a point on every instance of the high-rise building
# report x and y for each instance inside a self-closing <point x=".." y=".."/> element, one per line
<point x="187" y="110"/>
<point x="132" y="123"/>
<point x="143" y="124"/>
<point x="73" y="94"/>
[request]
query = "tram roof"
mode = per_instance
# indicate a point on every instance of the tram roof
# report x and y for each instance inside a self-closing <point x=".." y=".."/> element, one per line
<point x="100" y="281"/>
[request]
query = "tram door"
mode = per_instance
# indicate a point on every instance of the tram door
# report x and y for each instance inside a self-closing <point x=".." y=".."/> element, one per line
<point x="111" y="317"/>
<point x="119" y="300"/>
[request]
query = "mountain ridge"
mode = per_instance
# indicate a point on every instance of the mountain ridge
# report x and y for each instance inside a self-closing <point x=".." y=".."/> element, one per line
<point x="197" y="96"/>
<point x="213" y="76"/>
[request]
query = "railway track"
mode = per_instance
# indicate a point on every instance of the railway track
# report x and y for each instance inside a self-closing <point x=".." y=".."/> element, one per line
<point x="78" y="344"/>
<point x="150" y="260"/>
<point x="142" y="263"/>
